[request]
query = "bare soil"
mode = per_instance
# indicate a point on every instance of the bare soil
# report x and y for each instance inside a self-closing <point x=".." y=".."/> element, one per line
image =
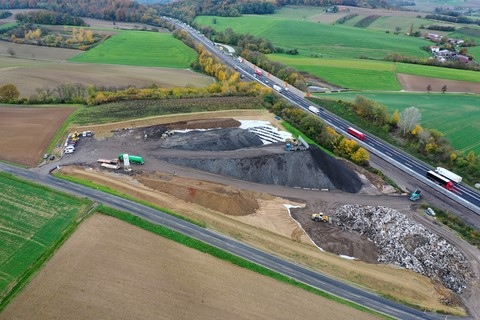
<point x="109" y="269"/>
<point x="35" y="67"/>
<point x="255" y="212"/>
<point x="417" y="83"/>
<point x="27" y="132"/>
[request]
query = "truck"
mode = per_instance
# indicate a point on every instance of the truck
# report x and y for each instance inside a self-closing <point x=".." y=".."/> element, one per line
<point x="354" y="132"/>
<point x="132" y="158"/>
<point x="448" y="174"/>
<point x="314" y="109"/>
<point x="440" y="180"/>
<point x="240" y="59"/>
<point x="277" y="87"/>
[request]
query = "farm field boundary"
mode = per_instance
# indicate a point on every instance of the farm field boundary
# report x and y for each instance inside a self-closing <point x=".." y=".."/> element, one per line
<point x="145" y="48"/>
<point x="35" y="221"/>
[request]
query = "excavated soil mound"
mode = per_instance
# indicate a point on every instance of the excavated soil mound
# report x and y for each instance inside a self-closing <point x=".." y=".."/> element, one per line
<point x="224" y="199"/>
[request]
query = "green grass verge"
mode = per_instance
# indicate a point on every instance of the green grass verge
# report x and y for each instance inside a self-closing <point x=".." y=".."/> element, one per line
<point x="223" y="255"/>
<point x="140" y="48"/>
<point x="451" y="114"/>
<point x="114" y="192"/>
<point x="35" y="221"/>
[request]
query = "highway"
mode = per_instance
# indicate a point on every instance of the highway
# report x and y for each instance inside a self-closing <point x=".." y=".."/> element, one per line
<point x="462" y="194"/>
<point x="292" y="270"/>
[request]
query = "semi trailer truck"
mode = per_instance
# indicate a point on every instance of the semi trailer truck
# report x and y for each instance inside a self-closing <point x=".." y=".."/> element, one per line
<point x="448" y="174"/>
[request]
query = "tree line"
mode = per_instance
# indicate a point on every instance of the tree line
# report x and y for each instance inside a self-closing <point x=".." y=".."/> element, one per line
<point x="50" y="18"/>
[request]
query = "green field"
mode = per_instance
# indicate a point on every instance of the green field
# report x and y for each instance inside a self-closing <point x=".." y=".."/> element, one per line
<point x="33" y="220"/>
<point x="140" y="48"/>
<point x="326" y="41"/>
<point x="347" y="73"/>
<point x="455" y="115"/>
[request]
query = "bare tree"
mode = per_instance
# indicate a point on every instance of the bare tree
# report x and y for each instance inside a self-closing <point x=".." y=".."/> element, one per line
<point x="444" y="89"/>
<point x="429" y="88"/>
<point x="409" y="118"/>
<point x="11" y="51"/>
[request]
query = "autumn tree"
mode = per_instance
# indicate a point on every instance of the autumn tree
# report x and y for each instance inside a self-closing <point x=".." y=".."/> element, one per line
<point x="9" y="93"/>
<point x="361" y="156"/>
<point x="395" y="119"/>
<point x="409" y="118"/>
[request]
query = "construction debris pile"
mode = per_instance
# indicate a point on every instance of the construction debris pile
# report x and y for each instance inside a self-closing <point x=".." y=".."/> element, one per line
<point x="402" y="242"/>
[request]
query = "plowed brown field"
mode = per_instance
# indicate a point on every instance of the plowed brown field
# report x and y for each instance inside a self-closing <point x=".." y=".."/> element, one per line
<point x="109" y="269"/>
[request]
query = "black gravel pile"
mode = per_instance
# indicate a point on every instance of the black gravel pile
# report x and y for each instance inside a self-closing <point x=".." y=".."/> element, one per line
<point x="312" y="169"/>
<point x="213" y="140"/>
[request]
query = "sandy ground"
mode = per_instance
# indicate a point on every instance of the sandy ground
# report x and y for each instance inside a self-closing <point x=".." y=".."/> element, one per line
<point x="27" y="132"/>
<point x="109" y="269"/>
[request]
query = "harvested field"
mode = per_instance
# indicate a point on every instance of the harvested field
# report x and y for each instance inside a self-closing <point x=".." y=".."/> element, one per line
<point x="417" y="83"/>
<point x="27" y="132"/>
<point x="97" y="275"/>
<point x="47" y="69"/>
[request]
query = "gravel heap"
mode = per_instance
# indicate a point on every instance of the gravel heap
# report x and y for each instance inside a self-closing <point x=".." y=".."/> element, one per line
<point x="402" y="242"/>
<point x="312" y="169"/>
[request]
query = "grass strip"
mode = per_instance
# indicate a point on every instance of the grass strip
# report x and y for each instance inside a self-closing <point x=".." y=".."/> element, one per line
<point x="114" y="192"/>
<point x="226" y="256"/>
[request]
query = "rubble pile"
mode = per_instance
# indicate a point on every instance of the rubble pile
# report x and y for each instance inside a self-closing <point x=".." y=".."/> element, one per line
<point x="402" y="242"/>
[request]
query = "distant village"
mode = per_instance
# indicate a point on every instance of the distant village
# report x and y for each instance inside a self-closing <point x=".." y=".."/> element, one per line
<point x="444" y="55"/>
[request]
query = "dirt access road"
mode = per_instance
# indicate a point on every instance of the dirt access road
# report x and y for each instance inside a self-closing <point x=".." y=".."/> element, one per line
<point x="255" y="212"/>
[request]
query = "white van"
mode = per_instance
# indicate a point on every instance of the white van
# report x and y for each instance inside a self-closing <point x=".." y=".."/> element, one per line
<point x="69" y="149"/>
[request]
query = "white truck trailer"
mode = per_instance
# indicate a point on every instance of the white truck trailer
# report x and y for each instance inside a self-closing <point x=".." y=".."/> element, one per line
<point x="277" y="87"/>
<point x="314" y="109"/>
<point x="449" y="174"/>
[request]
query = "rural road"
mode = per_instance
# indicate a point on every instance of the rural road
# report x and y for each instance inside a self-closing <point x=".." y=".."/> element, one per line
<point x="288" y="269"/>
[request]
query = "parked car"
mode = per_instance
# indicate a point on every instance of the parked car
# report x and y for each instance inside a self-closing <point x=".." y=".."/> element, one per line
<point x="45" y="156"/>
<point x="52" y="157"/>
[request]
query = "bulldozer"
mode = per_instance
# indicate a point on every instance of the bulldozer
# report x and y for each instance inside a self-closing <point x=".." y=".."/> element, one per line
<point x="320" y="217"/>
<point x="415" y="195"/>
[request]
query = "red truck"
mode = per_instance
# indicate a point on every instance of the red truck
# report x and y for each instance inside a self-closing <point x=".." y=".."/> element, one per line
<point x="356" y="133"/>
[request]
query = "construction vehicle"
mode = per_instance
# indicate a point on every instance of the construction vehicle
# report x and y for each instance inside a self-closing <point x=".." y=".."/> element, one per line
<point x="320" y="217"/>
<point x="295" y="146"/>
<point x="131" y="158"/>
<point x="415" y="195"/>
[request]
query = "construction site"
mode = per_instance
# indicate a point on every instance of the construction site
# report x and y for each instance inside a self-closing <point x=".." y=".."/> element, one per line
<point x="233" y="168"/>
